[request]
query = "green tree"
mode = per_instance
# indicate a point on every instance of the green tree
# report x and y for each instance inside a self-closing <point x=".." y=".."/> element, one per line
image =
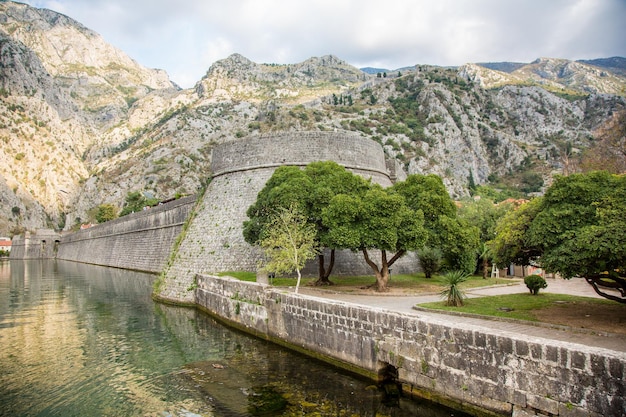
<point x="577" y="228"/>
<point x="311" y="188"/>
<point x="457" y="239"/>
<point x="430" y="260"/>
<point x="484" y="214"/>
<point x="289" y="243"/>
<point x="136" y="201"/>
<point x="510" y="244"/>
<point x="106" y="212"/>
<point x="381" y="220"/>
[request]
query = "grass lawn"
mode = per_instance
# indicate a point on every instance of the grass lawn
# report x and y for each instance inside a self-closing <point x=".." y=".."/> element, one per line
<point x="416" y="283"/>
<point x="517" y="306"/>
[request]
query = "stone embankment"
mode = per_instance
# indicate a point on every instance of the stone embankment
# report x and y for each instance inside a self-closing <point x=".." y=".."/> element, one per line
<point x="469" y="367"/>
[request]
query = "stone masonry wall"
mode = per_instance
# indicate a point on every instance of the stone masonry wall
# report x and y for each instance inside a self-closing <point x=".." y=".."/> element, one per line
<point x="43" y="244"/>
<point x="140" y="241"/>
<point x="214" y="241"/>
<point x="477" y="368"/>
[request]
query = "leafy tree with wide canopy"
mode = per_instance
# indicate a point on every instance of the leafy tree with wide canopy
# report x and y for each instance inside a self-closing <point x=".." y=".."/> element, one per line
<point x="578" y="228"/>
<point x="457" y="239"/>
<point x="311" y="189"/>
<point x="380" y="219"/>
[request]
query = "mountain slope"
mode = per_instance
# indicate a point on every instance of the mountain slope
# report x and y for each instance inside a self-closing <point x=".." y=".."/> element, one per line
<point x="559" y="75"/>
<point x="82" y="124"/>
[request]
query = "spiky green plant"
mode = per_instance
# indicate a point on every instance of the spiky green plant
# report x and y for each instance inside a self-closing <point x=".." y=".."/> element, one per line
<point x="453" y="294"/>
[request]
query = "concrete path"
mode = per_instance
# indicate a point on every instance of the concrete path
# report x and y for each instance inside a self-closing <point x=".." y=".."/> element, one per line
<point x="405" y="304"/>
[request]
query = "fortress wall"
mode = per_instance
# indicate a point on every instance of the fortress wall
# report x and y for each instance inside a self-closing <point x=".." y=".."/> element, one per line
<point x="214" y="240"/>
<point x="140" y="241"/>
<point x="43" y="244"/>
<point x="301" y="148"/>
<point x="476" y="368"/>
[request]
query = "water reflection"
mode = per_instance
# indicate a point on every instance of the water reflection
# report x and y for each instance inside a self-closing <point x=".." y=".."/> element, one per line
<point x="79" y="340"/>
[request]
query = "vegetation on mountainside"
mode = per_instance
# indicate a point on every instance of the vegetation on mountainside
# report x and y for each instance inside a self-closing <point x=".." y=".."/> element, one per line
<point x="137" y="201"/>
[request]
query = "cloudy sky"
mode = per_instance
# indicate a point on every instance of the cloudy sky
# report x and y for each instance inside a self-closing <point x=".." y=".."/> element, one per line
<point x="185" y="37"/>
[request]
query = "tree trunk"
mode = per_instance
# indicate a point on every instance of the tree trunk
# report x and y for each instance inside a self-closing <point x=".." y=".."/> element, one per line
<point x="323" y="273"/>
<point x="298" y="282"/>
<point x="382" y="274"/>
<point x="485" y="267"/>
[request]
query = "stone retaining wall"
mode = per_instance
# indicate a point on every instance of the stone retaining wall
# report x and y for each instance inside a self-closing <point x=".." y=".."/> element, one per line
<point x="478" y="370"/>
<point x="139" y="241"/>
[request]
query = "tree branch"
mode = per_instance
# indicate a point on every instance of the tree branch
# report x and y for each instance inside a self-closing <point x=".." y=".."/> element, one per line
<point x="619" y="283"/>
<point x="369" y="261"/>
<point x="397" y="256"/>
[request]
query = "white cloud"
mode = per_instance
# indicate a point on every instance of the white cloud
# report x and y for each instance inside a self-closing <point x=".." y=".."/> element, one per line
<point x="186" y="36"/>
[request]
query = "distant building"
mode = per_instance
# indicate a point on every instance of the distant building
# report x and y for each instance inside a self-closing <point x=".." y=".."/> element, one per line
<point x="5" y="244"/>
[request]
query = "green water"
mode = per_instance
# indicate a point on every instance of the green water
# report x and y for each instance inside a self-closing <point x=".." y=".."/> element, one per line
<point x="81" y="340"/>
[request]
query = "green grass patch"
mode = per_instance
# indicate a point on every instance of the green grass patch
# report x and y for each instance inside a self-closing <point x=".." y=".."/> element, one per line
<point x="240" y="275"/>
<point x="515" y="306"/>
<point x="410" y="282"/>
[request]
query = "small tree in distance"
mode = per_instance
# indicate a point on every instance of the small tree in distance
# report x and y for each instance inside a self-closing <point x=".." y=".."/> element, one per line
<point x="106" y="212"/>
<point x="289" y="243"/>
<point x="430" y="260"/>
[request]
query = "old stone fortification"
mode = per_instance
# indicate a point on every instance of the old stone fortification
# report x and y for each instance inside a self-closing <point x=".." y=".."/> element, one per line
<point x="140" y="241"/>
<point x="214" y="241"/>
<point x="42" y="244"/>
<point x="483" y="371"/>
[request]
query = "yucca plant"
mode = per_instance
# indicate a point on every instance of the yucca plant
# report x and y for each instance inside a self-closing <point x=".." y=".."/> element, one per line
<point x="453" y="294"/>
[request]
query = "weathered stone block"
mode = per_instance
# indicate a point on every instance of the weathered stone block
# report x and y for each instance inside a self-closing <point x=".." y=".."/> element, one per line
<point x="545" y="404"/>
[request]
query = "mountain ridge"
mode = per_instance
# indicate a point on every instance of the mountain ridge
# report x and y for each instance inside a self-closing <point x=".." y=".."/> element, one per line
<point x="74" y="136"/>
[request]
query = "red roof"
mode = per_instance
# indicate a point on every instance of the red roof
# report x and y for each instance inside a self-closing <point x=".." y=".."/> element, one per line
<point x="5" y="243"/>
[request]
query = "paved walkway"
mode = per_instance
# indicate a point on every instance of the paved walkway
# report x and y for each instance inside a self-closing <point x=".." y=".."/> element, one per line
<point x="405" y="304"/>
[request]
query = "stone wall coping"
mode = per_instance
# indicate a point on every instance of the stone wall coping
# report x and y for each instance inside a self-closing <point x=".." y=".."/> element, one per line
<point x="293" y="163"/>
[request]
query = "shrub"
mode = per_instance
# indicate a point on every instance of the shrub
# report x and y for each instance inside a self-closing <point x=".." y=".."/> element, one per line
<point x="430" y="260"/>
<point x="535" y="283"/>
<point x="453" y="294"/>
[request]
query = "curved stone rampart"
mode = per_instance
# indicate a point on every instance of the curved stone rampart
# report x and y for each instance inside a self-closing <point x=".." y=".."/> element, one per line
<point x="214" y="240"/>
<point x="356" y="153"/>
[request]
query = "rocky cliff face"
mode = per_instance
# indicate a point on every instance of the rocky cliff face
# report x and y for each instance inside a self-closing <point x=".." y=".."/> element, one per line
<point x="82" y="124"/>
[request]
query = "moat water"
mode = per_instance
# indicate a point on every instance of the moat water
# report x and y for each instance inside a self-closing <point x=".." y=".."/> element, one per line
<point x="82" y="340"/>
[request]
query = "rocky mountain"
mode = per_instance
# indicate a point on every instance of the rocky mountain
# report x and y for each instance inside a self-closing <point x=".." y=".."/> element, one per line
<point x="82" y="124"/>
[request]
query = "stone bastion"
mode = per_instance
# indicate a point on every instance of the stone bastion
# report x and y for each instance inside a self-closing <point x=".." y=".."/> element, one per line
<point x="213" y="242"/>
